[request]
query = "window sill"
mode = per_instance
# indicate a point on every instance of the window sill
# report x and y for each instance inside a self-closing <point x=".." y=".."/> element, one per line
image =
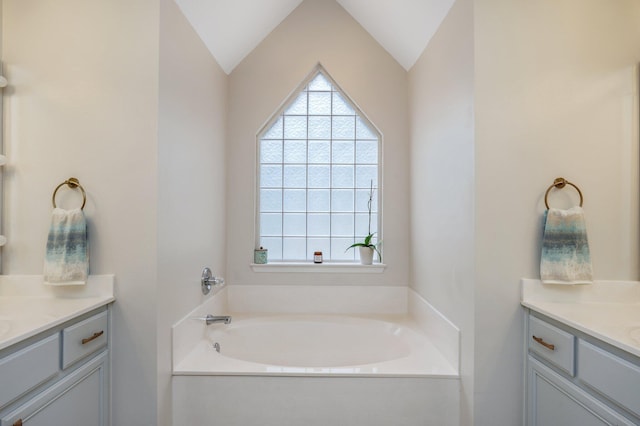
<point x="341" y="268"/>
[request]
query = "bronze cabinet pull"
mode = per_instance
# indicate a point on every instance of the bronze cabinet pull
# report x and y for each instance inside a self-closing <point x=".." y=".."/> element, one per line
<point x="543" y="343"/>
<point x="95" y="336"/>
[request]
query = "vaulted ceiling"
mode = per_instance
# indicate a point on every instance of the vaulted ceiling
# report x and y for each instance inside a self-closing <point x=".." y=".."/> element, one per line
<point x="232" y="29"/>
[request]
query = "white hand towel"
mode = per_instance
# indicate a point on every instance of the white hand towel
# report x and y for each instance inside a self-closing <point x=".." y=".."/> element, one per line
<point x="67" y="255"/>
<point x="565" y="250"/>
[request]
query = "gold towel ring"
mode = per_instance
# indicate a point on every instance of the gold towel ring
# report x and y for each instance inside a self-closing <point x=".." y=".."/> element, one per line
<point x="560" y="183"/>
<point x="72" y="183"/>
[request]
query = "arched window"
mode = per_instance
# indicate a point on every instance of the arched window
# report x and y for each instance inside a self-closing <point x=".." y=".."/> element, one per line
<point x="319" y="163"/>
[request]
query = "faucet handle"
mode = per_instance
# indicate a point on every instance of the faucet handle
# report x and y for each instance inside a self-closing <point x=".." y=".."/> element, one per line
<point x="208" y="280"/>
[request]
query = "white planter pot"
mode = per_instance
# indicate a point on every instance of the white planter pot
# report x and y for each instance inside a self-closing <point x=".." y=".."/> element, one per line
<point x="366" y="255"/>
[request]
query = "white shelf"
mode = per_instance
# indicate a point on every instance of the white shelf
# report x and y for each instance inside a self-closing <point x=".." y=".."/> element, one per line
<point x="336" y="268"/>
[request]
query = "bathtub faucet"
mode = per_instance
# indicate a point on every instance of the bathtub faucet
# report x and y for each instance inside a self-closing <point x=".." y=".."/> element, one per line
<point x="212" y="319"/>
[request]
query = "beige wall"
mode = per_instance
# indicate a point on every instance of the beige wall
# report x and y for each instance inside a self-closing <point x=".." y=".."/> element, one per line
<point x="554" y="96"/>
<point x="317" y="31"/>
<point x="82" y="101"/>
<point x="191" y="180"/>
<point x="442" y="179"/>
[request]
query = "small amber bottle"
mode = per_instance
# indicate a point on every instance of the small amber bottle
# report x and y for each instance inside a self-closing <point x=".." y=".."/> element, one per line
<point x="317" y="257"/>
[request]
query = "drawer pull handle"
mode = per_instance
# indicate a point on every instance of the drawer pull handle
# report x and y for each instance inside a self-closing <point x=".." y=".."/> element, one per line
<point x="543" y="343"/>
<point x="17" y="422"/>
<point x="95" y="336"/>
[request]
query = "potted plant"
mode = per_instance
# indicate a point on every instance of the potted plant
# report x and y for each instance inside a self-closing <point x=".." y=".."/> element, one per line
<point x="367" y="247"/>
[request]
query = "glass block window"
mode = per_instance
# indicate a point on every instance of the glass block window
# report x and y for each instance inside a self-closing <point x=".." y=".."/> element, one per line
<point x="318" y="163"/>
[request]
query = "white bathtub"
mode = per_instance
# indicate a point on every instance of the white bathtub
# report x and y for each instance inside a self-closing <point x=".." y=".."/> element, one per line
<point x="343" y="368"/>
<point x="318" y="345"/>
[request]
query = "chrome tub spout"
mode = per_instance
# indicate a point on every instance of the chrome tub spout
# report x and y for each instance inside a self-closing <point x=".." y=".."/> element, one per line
<point x="212" y="319"/>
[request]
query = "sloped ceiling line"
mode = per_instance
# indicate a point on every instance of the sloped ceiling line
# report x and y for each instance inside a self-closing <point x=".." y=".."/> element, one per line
<point x="232" y="29"/>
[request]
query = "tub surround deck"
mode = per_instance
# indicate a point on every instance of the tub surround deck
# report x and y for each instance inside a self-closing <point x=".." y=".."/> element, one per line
<point x="307" y="299"/>
<point x="28" y="307"/>
<point x="606" y="310"/>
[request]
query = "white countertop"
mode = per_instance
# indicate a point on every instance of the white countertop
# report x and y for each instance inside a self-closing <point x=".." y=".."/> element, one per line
<point x="28" y="307"/>
<point x="606" y="310"/>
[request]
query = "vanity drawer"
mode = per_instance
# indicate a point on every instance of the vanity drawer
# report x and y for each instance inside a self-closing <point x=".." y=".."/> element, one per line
<point x="554" y="345"/>
<point x="84" y="338"/>
<point x="614" y="377"/>
<point x="28" y="367"/>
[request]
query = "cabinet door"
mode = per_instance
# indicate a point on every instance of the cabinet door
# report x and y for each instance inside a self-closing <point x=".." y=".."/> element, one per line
<point x="79" y="399"/>
<point x="553" y="400"/>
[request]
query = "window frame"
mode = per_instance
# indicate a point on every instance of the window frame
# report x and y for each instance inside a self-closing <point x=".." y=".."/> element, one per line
<point x="342" y="264"/>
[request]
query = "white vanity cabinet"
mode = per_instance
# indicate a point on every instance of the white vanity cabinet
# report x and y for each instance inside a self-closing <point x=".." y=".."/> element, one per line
<point x="575" y="379"/>
<point x="59" y="377"/>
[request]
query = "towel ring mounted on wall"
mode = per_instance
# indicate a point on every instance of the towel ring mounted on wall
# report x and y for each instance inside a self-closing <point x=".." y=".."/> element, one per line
<point x="71" y="183"/>
<point x="561" y="183"/>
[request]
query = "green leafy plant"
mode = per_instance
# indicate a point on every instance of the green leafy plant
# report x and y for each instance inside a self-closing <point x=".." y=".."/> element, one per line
<point x="369" y="237"/>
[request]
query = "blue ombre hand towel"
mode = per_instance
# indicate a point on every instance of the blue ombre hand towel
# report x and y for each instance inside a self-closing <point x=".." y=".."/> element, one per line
<point x="67" y="256"/>
<point x="565" y="250"/>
